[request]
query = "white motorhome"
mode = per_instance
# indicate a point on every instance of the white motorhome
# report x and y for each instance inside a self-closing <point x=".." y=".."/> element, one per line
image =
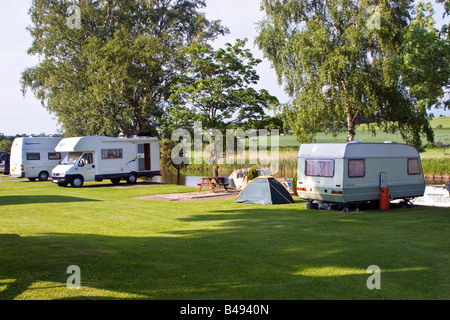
<point x="34" y="157"/>
<point x="95" y="158"/>
<point x="354" y="172"/>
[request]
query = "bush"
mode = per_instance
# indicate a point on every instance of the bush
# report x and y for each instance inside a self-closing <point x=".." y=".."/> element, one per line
<point x="436" y="166"/>
<point x="252" y="174"/>
<point x="294" y="184"/>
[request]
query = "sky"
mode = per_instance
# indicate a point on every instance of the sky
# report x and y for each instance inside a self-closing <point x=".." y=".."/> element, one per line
<point x="25" y="115"/>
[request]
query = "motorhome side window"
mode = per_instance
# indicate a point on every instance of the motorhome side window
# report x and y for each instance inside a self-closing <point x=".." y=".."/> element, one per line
<point x="356" y="168"/>
<point x="414" y="166"/>
<point x="87" y="158"/>
<point x="54" y="156"/>
<point x="33" y="156"/>
<point x="319" y="168"/>
<point x="111" y="153"/>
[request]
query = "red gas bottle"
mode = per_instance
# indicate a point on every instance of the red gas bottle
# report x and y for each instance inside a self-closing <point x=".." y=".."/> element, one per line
<point x="385" y="199"/>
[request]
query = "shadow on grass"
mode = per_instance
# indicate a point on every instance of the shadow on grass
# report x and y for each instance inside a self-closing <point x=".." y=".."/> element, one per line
<point x="252" y="253"/>
<point x="51" y="198"/>
<point x="121" y="185"/>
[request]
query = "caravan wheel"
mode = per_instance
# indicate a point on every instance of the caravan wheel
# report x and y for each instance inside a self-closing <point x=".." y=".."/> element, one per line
<point x="131" y="179"/>
<point x="115" y="180"/>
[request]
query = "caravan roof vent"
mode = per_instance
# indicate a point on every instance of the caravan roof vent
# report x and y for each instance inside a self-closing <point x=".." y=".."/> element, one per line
<point x="390" y="142"/>
<point x="356" y="141"/>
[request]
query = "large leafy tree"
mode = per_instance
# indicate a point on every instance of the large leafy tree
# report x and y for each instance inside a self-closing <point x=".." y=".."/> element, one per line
<point x="332" y="56"/>
<point x="218" y="87"/>
<point x="106" y="66"/>
<point x="422" y="63"/>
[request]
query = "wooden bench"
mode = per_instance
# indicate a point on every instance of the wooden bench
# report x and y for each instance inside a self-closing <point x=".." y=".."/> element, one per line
<point x="212" y="183"/>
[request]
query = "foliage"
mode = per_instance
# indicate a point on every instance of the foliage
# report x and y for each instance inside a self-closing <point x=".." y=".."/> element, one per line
<point x="5" y="145"/>
<point x="112" y="73"/>
<point x="167" y="157"/>
<point x="436" y="165"/>
<point x="219" y="86"/>
<point x="422" y="63"/>
<point x="294" y="183"/>
<point x="332" y="61"/>
<point x="252" y="173"/>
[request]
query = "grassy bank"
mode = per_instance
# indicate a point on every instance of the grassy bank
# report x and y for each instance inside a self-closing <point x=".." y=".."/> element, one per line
<point x="130" y="248"/>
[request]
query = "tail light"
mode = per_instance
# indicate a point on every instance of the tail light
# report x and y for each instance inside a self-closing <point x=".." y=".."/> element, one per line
<point x="336" y="191"/>
<point x="21" y="167"/>
<point x="301" y="188"/>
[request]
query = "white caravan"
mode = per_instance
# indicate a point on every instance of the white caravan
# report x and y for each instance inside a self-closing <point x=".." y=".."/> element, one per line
<point x="34" y="157"/>
<point x="354" y="172"/>
<point x="96" y="158"/>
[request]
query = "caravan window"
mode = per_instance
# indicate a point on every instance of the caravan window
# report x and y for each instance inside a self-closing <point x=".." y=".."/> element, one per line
<point x="111" y="153"/>
<point x="319" y="168"/>
<point x="414" y="166"/>
<point x="34" y="156"/>
<point x="54" y="156"/>
<point x="356" y="168"/>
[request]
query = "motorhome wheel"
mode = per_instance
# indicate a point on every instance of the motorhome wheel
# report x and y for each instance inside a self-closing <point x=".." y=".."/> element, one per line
<point x="77" y="182"/>
<point x="43" y="176"/>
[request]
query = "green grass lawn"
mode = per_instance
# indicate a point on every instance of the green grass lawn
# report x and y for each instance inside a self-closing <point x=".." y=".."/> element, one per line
<point x="130" y="248"/>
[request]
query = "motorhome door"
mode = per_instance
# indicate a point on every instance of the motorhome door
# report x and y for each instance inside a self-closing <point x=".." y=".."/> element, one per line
<point x="86" y="166"/>
<point x="144" y="156"/>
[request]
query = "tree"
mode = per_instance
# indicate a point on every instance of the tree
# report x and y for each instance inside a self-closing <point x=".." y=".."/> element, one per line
<point x="331" y="57"/>
<point x="422" y="63"/>
<point x="168" y="147"/>
<point x="106" y="66"/>
<point x="218" y="87"/>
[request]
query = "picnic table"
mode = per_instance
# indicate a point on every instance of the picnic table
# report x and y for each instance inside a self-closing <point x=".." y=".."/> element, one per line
<point x="213" y="182"/>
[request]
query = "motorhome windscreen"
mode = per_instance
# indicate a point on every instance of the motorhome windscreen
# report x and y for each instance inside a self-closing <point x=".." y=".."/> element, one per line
<point x="319" y="168"/>
<point x="71" y="158"/>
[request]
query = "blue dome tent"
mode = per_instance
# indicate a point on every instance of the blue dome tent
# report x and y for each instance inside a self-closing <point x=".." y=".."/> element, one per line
<point x="265" y="190"/>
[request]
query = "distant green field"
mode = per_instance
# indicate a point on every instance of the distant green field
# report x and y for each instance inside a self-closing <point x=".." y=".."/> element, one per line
<point x="443" y="121"/>
<point x="441" y="134"/>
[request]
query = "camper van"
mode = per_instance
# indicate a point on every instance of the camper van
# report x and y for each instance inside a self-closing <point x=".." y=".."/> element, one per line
<point x="34" y="157"/>
<point x="96" y="158"/>
<point x="354" y="172"/>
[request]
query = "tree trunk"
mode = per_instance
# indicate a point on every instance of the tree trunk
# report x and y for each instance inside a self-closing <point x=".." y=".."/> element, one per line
<point x="350" y="126"/>
<point x="178" y="175"/>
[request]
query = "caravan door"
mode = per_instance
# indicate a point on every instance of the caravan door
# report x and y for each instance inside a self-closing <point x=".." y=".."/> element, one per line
<point x="144" y="157"/>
